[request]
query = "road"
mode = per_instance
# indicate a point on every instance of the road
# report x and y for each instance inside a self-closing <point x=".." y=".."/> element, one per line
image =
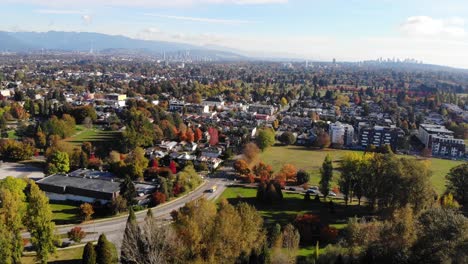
<point x="113" y="228"/>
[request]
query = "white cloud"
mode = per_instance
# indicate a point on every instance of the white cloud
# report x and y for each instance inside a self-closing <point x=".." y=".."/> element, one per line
<point x="425" y="26"/>
<point x="142" y="3"/>
<point x="87" y="19"/>
<point x="59" y="12"/>
<point x="204" y="20"/>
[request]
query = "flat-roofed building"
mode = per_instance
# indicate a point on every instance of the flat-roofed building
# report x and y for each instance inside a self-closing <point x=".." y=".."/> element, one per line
<point x="62" y="187"/>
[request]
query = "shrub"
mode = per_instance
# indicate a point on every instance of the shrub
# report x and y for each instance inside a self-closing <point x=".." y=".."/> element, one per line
<point x="87" y="211"/>
<point x="76" y="234"/>
<point x="328" y="234"/>
<point x="159" y="198"/>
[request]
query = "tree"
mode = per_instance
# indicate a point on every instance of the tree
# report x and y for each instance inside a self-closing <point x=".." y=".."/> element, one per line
<point x="323" y="140"/>
<point x="241" y="167"/>
<point x="12" y="212"/>
<point x="265" y="138"/>
<point x="14" y="150"/>
<point x="86" y="211"/>
<point x="457" y="182"/>
<point x="76" y="234"/>
<point x="441" y="237"/>
<point x="104" y="251"/>
<point x="291" y="238"/>
<point x="250" y="152"/>
<point x="136" y="163"/>
<point x="263" y="171"/>
<point x="159" y="198"/>
<point x="131" y="229"/>
<point x="198" y="134"/>
<point x="214" y="139"/>
<point x="302" y="177"/>
<point x="13" y="209"/>
<point x="287" y="138"/>
<point x="58" y="162"/>
<point x="350" y="173"/>
<point x="326" y="173"/>
<point x="287" y="173"/>
<point x="119" y="205"/>
<point x="283" y="101"/>
<point x="39" y="223"/>
<point x="89" y="254"/>
<point x="128" y="191"/>
<point x="88" y="122"/>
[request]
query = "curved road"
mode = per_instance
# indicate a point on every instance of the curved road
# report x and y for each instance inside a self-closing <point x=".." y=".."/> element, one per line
<point x="113" y="228"/>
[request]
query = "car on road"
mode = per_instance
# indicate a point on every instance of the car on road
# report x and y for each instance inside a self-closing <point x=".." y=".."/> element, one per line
<point x="314" y="188"/>
<point x="330" y="193"/>
<point x="312" y="191"/>
<point x="292" y="189"/>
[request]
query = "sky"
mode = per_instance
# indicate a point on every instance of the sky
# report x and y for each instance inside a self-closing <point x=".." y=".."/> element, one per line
<point x="434" y="31"/>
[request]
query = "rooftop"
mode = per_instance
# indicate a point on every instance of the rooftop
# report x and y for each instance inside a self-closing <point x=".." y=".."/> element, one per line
<point x="63" y="181"/>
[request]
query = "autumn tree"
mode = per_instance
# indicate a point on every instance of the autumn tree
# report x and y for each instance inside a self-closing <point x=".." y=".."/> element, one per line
<point x="250" y="152"/>
<point x="323" y="140"/>
<point x="198" y="134"/>
<point x="214" y="137"/>
<point x="86" y="211"/>
<point x="241" y="167"/>
<point x="263" y="171"/>
<point x="76" y="234"/>
<point x="287" y="173"/>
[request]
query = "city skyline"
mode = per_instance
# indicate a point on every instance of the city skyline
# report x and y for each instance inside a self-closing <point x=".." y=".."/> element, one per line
<point x="431" y="31"/>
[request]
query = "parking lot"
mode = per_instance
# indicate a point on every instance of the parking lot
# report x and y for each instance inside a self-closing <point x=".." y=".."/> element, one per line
<point x="18" y="170"/>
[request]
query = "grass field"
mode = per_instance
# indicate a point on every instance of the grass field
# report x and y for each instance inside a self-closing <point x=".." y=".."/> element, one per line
<point x="65" y="214"/>
<point x="293" y="204"/>
<point x="94" y="134"/>
<point x="65" y="256"/>
<point x="311" y="160"/>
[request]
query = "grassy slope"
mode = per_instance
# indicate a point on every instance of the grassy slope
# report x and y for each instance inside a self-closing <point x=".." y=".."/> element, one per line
<point x="311" y="160"/>
<point x="66" y="256"/>
<point x="92" y="135"/>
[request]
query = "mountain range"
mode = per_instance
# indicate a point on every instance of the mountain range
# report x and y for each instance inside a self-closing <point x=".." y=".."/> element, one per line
<point x="87" y="41"/>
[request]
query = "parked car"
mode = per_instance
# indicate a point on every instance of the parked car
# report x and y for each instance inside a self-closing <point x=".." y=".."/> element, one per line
<point x="330" y="193"/>
<point x="311" y="191"/>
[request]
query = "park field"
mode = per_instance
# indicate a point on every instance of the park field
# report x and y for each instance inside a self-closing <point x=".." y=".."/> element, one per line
<point x="311" y="160"/>
<point x="94" y="135"/>
<point x="293" y="204"/>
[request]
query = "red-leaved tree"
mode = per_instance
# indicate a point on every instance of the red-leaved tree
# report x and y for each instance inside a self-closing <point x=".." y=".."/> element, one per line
<point x="214" y="139"/>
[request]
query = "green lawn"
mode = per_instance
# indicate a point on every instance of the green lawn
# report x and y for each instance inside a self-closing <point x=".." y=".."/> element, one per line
<point x="12" y="134"/>
<point x="65" y="256"/>
<point x="293" y="204"/>
<point x="94" y="134"/>
<point x="311" y="160"/>
<point x="65" y="214"/>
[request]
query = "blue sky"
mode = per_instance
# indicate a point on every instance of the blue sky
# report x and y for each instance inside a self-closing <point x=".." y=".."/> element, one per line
<point x="434" y="31"/>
